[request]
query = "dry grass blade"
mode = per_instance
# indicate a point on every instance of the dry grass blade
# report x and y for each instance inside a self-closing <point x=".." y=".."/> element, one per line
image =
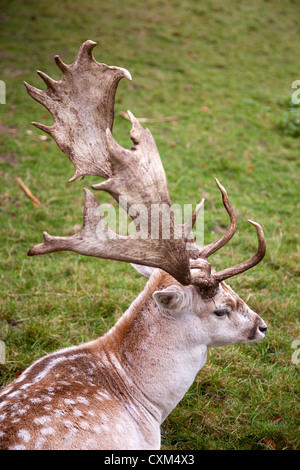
<point x="28" y="193"/>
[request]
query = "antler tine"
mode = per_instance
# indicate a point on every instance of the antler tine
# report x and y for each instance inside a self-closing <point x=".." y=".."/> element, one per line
<point x="38" y="95"/>
<point x="85" y="52"/>
<point x="48" y="129"/>
<point x="63" y="67"/>
<point x="208" y="250"/>
<point x="196" y="213"/>
<point x="49" y="81"/>
<point x="248" y="264"/>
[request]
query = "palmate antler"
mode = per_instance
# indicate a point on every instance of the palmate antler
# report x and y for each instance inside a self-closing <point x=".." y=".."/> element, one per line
<point x="82" y="104"/>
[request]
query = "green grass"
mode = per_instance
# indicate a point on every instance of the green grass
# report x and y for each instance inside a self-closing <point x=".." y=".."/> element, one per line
<point x="225" y="69"/>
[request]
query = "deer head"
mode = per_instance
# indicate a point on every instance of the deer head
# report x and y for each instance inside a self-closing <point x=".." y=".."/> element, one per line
<point x="113" y="393"/>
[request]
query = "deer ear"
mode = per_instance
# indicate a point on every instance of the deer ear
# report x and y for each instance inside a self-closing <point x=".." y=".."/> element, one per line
<point x="168" y="300"/>
<point x="144" y="270"/>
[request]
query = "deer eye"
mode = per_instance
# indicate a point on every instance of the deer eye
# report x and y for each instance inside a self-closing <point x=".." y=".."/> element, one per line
<point x="220" y="312"/>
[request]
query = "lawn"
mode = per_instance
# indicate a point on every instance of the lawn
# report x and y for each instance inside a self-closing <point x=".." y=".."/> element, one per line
<point x="225" y="70"/>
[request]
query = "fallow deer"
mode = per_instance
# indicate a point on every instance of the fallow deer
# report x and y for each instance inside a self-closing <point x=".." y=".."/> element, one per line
<point x="114" y="392"/>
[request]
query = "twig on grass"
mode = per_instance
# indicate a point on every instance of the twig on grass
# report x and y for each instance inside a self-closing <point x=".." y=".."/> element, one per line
<point x="158" y="119"/>
<point x="28" y="193"/>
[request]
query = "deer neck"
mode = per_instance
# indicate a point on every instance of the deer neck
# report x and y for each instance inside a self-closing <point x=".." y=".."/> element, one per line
<point x="153" y="351"/>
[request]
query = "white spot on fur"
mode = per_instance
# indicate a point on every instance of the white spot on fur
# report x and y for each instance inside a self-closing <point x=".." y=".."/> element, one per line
<point x="47" y="398"/>
<point x="97" y="429"/>
<point x="70" y="434"/>
<point x="59" y="413"/>
<point x="25" y="386"/>
<point x="84" y="424"/>
<point x="22" y="377"/>
<point x="39" y="443"/>
<point x="24" y="434"/>
<point x="42" y="420"/>
<point x="5" y="391"/>
<point x="47" y="407"/>
<point x="16" y="420"/>
<point x="18" y="447"/>
<point x="35" y="400"/>
<point x="47" y="431"/>
<point x="83" y="400"/>
<point x="14" y="394"/>
<point x="3" y="404"/>
<point x="68" y="423"/>
<point x="91" y="384"/>
<point x="67" y="401"/>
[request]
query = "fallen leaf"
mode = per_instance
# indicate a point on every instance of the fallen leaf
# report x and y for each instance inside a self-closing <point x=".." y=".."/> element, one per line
<point x="269" y="443"/>
<point x="276" y="419"/>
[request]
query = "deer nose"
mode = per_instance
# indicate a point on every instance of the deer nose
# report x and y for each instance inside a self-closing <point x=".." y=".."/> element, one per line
<point x="262" y="329"/>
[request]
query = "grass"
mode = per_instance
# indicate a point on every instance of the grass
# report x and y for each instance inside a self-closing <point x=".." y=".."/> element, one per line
<point x="225" y="70"/>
